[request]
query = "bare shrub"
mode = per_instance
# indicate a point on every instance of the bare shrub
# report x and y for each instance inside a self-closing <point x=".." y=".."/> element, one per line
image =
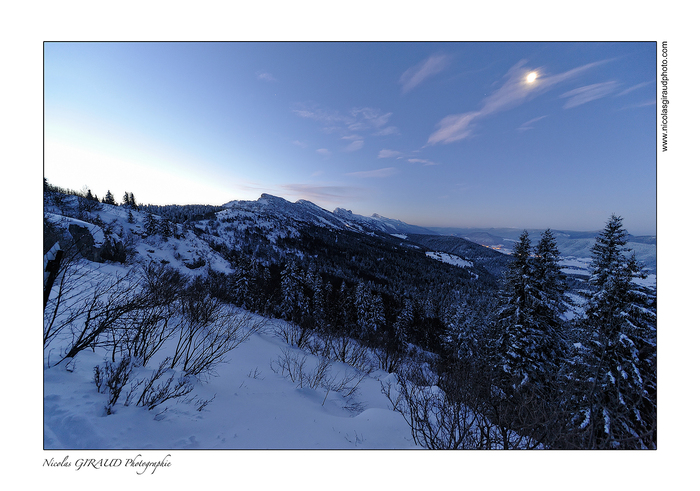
<point x="437" y="421"/>
<point x="210" y="330"/>
<point x="92" y="315"/>
<point x="296" y="367"/>
<point x="346" y="350"/>
<point x="112" y="377"/>
<point x="63" y="304"/>
<point x="388" y="360"/>
<point x="464" y="409"/>
<point x="142" y="333"/>
<point x="294" y="334"/>
<point x="157" y="389"/>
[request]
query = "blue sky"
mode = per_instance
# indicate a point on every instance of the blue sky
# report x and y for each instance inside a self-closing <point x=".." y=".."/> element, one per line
<point x="434" y="134"/>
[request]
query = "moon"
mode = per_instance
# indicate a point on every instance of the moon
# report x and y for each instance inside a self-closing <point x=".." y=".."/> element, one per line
<point x="531" y="77"/>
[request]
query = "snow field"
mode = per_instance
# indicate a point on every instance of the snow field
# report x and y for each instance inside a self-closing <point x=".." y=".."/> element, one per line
<point x="252" y="408"/>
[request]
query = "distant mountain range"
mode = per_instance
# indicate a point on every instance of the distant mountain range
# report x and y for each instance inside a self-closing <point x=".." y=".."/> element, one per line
<point x="571" y="243"/>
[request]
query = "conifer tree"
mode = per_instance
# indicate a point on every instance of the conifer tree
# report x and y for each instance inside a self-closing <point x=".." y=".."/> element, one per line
<point x="151" y="225"/>
<point x="617" y="408"/>
<point x="550" y="304"/>
<point x="292" y="303"/>
<point x="516" y="321"/>
<point x="109" y="198"/>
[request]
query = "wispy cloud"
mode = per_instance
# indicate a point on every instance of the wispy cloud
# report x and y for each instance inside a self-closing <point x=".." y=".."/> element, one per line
<point x="323" y="151"/>
<point x="527" y="125"/>
<point x="423" y="161"/>
<point x="356" y="125"/>
<point x="387" y="154"/>
<point x="266" y="76"/>
<point x="389" y="130"/>
<point x="299" y="143"/>
<point x="378" y="173"/>
<point x="588" y="93"/>
<point x="514" y="91"/>
<point x="633" y="88"/>
<point x="367" y="118"/>
<point x="648" y="103"/>
<point x="355" y="145"/>
<point x="317" y="113"/>
<point x="453" y="128"/>
<point x="414" y="76"/>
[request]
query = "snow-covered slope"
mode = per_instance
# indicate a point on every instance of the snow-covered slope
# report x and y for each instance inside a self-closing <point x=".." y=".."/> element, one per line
<point x="252" y="408"/>
<point x="253" y="403"/>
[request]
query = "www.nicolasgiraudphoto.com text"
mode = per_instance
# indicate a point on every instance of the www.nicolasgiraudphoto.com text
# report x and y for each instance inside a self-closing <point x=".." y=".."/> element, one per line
<point x="664" y="96"/>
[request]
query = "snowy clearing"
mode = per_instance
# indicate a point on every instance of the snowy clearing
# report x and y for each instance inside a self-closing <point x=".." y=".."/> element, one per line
<point x="450" y="259"/>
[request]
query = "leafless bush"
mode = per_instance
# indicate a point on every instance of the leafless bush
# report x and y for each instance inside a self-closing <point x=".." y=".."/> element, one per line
<point x="436" y="420"/>
<point x="210" y="330"/>
<point x="388" y="360"/>
<point x="297" y="368"/>
<point x="344" y="350"/>
<point x="464" y="409"/>
<point x="161" y="283"/>
<point x="290" y="365"/>
<point x="155" y="389"/>
<point x="142" y="333"/>
<point x="293" y="334"/>
<point x="112" y="377"/>
<point x="93" y="314"/>
<point x="62" y="308"/>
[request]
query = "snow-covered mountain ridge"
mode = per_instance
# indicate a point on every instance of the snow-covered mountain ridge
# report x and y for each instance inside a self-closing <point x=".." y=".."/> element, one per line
<point x="303" y="211"/>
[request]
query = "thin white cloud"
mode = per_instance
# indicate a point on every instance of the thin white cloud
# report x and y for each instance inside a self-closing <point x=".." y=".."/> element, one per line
<point x="514" y="91"/>
<point x="325" y="116"/>
<point x="368" y="118"/>
<point x="641" y="104"/>
<point x="299" y="143"/>
<point x="378" y="173"/>
<point x="354" y="146"/>
<point x="527" y="125"/>
<point x="323" y="151"/>
<point x="387" y="154"/>
<point x="588" y="93"/>
<point x="633" y="88"/>
<point x="266" y="76"/>
<point x="417" y="74"/>
<point x="356" y="125"/>
<point x="389" y="130"/>
<point x="423" y="161"/>
<point x="453" y="128"/>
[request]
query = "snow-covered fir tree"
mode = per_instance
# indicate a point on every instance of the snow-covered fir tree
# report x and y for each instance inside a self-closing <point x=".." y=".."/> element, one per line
<point x="516" y="321"/>
<point x="617" y="408"/>
<point x="529" y="347"/>
<point x="550" y="304"/>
